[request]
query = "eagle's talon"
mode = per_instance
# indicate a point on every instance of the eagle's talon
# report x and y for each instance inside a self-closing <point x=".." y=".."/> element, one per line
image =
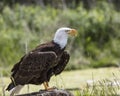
<point x="51" y="88"/>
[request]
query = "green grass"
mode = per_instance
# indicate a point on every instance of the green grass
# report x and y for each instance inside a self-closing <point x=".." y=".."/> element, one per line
<point x="72" y="79"/>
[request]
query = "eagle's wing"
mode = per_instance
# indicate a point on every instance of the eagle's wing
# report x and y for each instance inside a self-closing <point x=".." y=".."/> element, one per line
<point x="62" y="63"/>
<point x="16" y="66"/>
<point x="31" y="65"/>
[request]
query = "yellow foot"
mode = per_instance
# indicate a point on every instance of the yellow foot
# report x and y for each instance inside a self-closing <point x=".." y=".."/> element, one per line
<point x="46" y="85"/>
<point x="50" y="88"/>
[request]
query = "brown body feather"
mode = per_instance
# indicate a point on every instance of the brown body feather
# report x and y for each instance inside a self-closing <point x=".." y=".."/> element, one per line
<point x="39" y="65"/>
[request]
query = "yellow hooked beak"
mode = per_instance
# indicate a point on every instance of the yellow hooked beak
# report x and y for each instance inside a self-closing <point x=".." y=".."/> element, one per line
<point x="73" y="32"/>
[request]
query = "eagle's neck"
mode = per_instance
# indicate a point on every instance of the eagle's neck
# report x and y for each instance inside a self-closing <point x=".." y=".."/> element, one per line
<point x="61" y="39"/>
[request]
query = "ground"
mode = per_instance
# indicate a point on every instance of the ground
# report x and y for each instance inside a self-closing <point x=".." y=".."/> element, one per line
<point x="71" y="79"/>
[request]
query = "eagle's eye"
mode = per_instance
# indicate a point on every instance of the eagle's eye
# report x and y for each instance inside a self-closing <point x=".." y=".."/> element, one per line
<point x="67" y="30"/>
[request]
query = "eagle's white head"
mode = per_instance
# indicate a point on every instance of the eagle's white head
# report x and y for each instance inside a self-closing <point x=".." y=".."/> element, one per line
<point x="61" y="36"/>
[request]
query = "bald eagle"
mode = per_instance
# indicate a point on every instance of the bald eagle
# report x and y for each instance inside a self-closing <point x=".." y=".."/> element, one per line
<point x="46" y="60"/>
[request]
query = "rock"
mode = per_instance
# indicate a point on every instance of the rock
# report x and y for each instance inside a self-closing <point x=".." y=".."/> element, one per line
<point x="54" y="92"/>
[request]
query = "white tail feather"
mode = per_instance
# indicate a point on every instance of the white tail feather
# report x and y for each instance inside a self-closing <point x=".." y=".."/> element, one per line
<point x="16" y="90"/>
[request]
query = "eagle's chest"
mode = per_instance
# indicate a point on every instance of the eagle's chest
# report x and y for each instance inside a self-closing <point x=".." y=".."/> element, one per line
<point x="59" y="52"/>
<point x="58" y="59"/>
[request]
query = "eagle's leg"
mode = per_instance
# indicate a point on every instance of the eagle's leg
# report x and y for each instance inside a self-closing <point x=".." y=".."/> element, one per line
<point x="46" y="85"/>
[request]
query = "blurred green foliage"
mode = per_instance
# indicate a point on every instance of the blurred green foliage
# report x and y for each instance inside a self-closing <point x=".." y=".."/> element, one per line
<point x="97" y="44"/>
